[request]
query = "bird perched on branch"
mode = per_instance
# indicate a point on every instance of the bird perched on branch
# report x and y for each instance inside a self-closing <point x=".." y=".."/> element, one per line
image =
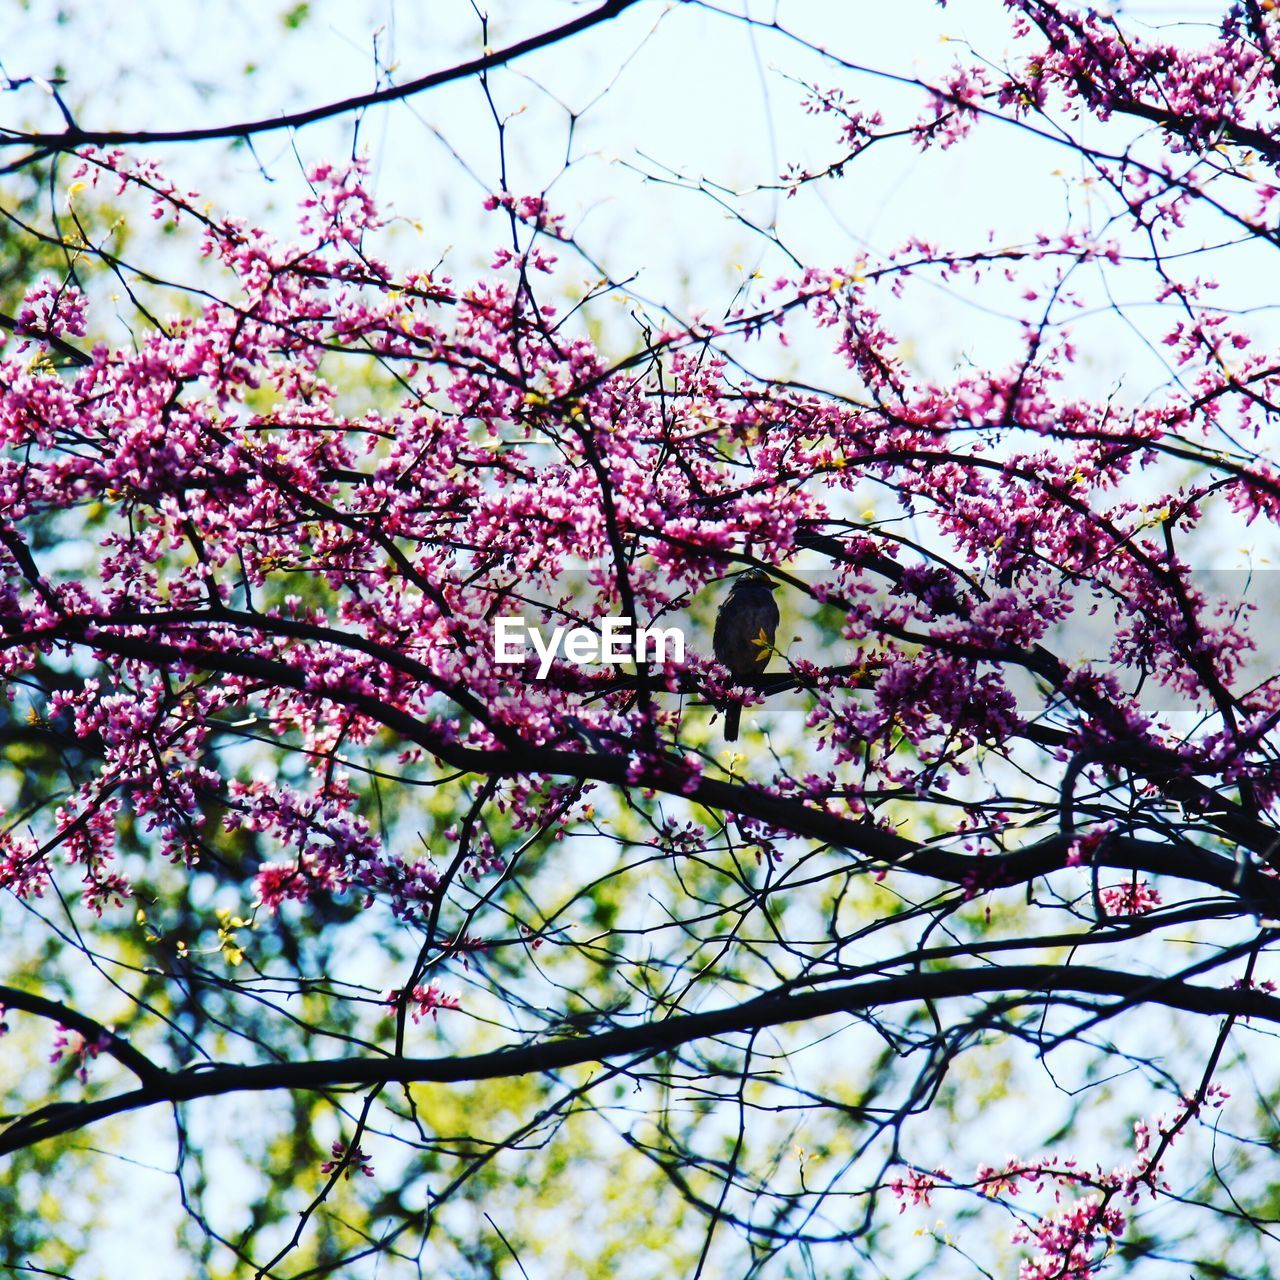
<point x="745" y="629"/>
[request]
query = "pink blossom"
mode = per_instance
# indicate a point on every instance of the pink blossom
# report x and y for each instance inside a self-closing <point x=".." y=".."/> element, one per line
<point x="348" y="1159"/>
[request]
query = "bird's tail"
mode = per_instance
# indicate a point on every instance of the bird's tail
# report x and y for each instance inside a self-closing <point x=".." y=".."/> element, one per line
<point x="732" y="718"/>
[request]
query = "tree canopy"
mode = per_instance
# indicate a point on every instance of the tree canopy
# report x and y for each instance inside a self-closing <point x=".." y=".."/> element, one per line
<point x="343" y="940"/>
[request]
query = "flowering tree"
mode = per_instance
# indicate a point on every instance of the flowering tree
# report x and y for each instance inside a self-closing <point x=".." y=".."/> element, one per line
<point x="380" y="950"/>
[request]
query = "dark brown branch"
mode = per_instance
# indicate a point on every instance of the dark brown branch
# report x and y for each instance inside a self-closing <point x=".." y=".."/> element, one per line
<point x="71" y="137"/>
<point x="93" y="1031"/>
<point x="668" y="774"/>
<point x="63" y="348"/>
<point x="1036" y="984"/>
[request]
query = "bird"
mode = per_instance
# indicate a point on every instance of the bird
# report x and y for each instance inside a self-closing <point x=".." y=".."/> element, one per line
<point x="746" y="625"/>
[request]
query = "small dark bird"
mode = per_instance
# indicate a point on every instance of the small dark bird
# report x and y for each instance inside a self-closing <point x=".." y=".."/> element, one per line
<point x="745" y="629"/>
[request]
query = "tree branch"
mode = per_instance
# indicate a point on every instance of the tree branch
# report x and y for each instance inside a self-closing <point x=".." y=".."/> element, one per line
<point x="71" y="137"/>
<point x="1036" y="983"/>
